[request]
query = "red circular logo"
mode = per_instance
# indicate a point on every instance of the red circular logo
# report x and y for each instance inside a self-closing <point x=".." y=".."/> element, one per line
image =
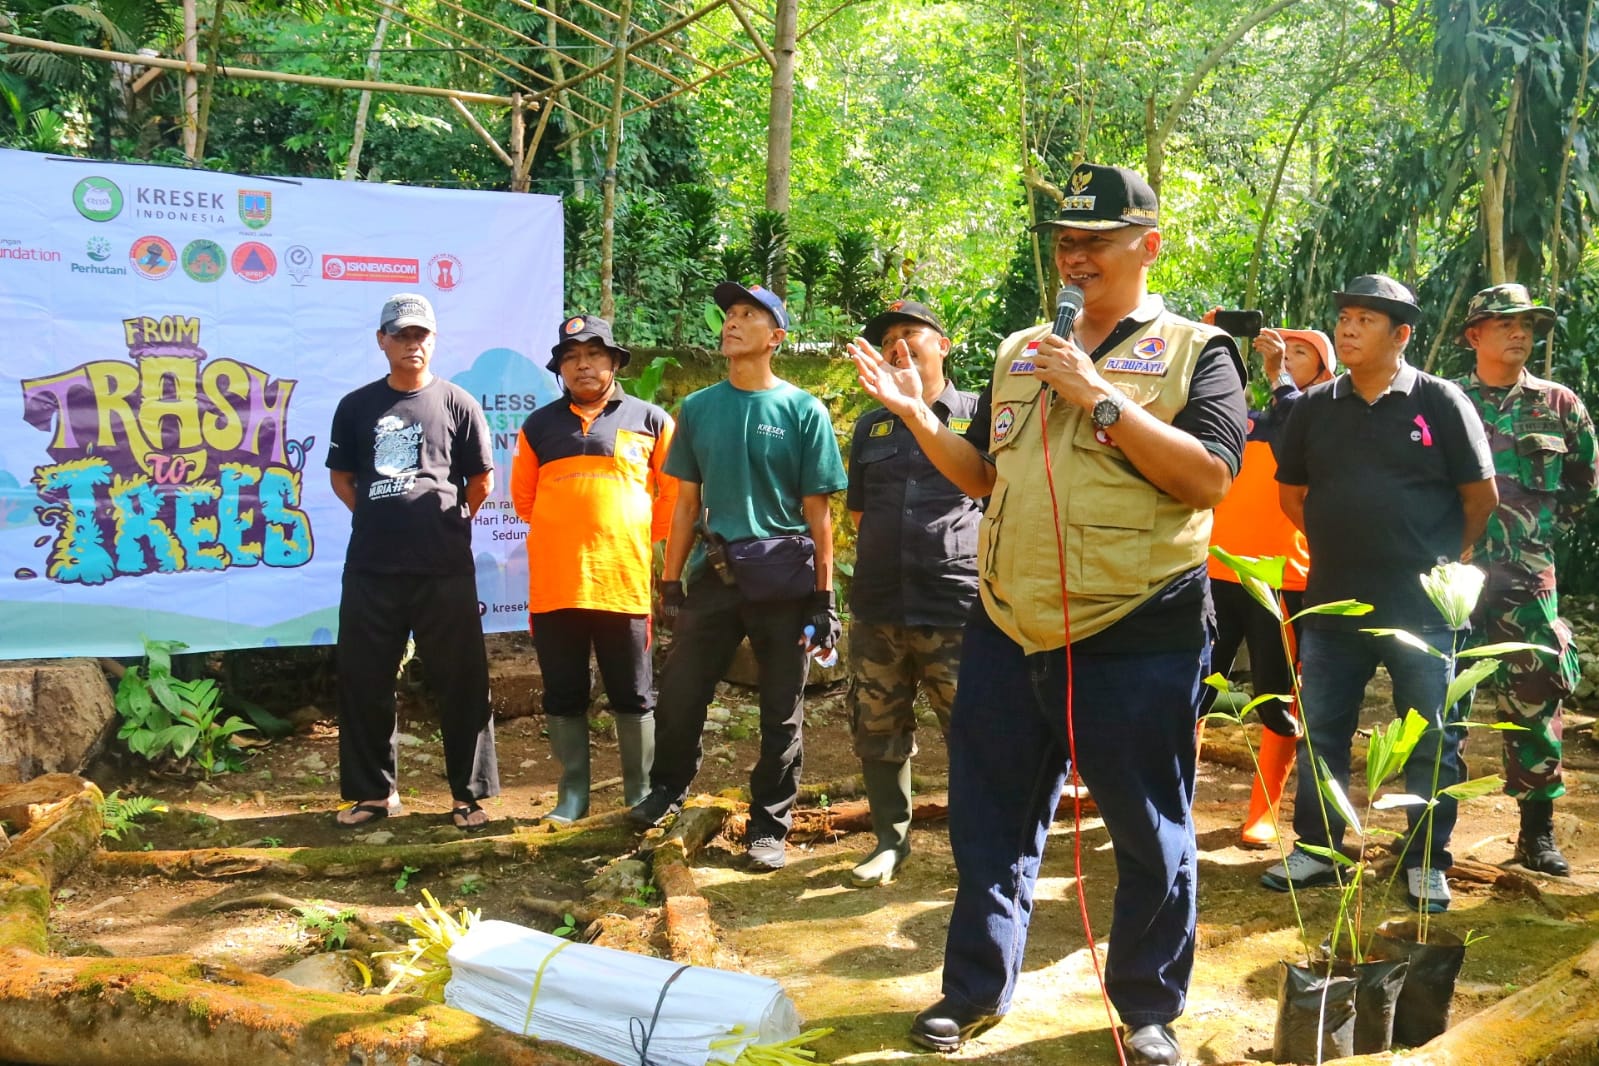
<point x="254" y="261"/>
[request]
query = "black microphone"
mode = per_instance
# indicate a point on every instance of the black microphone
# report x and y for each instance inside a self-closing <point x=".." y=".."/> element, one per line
<point x="1068" y="305"/>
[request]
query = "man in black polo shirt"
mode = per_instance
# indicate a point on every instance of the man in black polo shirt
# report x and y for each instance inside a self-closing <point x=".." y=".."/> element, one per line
<point x="1387" y="471"/>
<point x="915" y="579"/>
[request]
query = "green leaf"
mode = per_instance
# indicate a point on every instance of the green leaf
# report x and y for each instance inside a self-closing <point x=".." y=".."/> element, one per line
<point x="1330" y="854"/>
<point x="1334" y="794"/>
<point x="1504" y="648"/>
<point x="1479" y="786"/>
<point x="1398" y="799"/>
<point x="1266" y="571"/>
<point x="1391" y="746"/>
<point x="1338" y="608"/>
<point x="1468" y="679"/>
<point x="1406" y="637"/>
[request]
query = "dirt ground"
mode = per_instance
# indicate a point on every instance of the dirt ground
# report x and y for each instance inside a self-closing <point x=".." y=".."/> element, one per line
<point x="861" y="962"/>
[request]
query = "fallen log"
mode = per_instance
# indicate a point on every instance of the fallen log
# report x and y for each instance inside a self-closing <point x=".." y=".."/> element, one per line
<point x="690" y="934"/>
<point x="855" y="816"/>
<point x="49" y="850"/>
<point x="174" y="1011"/>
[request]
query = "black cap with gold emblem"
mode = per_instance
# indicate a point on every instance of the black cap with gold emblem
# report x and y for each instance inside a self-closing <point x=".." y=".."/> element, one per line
<point x="1099" y="197"/>
<point x="900" y="311"/>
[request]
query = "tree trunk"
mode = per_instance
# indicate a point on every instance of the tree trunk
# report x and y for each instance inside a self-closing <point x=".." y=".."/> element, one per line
<point x="374" y="63"/>
<point x="780" y="123"/>
<point x="1555" y="237"/>
<point x="1495" y="178"/>
<point x="613" y="141"/>
<point x="191" y="54"/>
<point x="66" y="832"/>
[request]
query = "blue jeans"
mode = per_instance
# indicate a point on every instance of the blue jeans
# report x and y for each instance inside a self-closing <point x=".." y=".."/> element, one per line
<point x="1335" y="666"/>
<point x="1134" y="722"/>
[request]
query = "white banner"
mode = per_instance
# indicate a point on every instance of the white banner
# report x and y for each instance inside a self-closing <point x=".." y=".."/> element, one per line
<point x="176" y="342"/>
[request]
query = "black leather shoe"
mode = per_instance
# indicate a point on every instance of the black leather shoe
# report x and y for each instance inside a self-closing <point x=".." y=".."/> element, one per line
<point x="946" y="1025"/>
<point x="1535" y="845"/>
<point x="655" y="808"/>
<point x="1152" y="1045"/>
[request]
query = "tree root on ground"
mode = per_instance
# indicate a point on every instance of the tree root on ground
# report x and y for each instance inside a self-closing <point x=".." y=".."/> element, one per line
<point x="175" y="1011"/>
<point x="358" y="860"/>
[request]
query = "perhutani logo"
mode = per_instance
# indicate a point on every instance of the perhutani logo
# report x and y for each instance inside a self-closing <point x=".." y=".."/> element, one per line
<point x="370" y="268"/>
<point x="177" y="205"/>
<point x="97" y="199"/>
<point x="98" y="249"/>
<point x="299" y="262"/>
<point x="444" y="271"/>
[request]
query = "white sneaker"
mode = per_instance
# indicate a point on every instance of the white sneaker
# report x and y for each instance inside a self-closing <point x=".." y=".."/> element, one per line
<point x="1427" y="890"/>
<point x="1301" y="870"/>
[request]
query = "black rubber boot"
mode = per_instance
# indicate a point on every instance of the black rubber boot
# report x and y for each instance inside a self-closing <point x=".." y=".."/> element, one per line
<point x="888" y="790"/>
<point x="569" y="740"/>
<point x="635" y="739"/>
<point x="1535" y="847"/>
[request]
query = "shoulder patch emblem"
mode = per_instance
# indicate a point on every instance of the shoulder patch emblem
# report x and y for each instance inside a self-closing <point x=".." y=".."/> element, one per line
<point x="1004" y="419"/>
<point x="881" y="429"/>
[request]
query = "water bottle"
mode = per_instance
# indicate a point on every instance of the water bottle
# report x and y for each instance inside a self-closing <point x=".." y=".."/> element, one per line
<point x="823" y="656"/>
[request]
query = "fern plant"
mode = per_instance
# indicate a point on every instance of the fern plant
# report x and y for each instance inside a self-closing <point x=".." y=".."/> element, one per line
<point x="120" y="813"/>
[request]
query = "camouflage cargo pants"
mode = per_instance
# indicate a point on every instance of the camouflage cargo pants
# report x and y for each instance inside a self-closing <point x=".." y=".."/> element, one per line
<point x="888" y="663"/>
<point x="1529" y="687"/>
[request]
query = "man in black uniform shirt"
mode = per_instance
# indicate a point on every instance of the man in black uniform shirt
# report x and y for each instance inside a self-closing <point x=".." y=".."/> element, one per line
<point x="410" y="456"/>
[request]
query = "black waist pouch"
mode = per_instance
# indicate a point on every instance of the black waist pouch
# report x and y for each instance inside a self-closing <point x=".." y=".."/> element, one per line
<point x="773" y="568"/>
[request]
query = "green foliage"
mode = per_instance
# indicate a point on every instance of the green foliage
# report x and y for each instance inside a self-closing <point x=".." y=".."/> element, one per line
<point x="404" y="880"/>
<point x="646" y="384"/>
<point x="567" y="928"/>
<point x="330" y="927"/>
<point x="119" y="813"/>
<point x="165" y="718"/>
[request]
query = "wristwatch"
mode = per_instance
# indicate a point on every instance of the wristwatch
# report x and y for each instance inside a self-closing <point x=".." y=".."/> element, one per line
<point x="1108" y="411"/>
<point x="1285" y="380"/>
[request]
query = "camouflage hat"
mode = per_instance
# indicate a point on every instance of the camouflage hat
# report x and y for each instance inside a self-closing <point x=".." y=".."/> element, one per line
<point x="1501" y="300"/>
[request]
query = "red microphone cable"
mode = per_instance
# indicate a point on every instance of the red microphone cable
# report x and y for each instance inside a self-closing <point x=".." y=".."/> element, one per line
<point x="1071" y="734"/>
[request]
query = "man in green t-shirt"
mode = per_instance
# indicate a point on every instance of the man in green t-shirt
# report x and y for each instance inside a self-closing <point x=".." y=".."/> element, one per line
<point x="756" y="458"/>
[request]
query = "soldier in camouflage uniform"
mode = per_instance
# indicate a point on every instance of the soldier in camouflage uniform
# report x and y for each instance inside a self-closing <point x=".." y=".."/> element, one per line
<point x="915" y="580"/>
<point x="1544" y="459"/>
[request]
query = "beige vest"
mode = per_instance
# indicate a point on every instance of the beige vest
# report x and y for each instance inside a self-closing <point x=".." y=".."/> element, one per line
<point x="1124" y="539"/>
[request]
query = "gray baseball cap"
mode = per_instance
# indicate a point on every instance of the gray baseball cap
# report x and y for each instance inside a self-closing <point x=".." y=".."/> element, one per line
<point x="407" y="309"/>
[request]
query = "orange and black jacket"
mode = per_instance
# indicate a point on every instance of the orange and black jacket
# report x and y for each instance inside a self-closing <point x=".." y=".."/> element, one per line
<point x="594" y="498"/>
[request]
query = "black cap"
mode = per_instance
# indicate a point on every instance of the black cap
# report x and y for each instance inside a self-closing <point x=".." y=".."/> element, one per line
<point x="900" y="311"/>
<point x="586" y="328"/>
<point x="1099" y="197"/>
<point x="1380" y="293"/>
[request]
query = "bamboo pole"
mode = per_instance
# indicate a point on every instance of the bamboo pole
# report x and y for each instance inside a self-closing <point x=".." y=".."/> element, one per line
<point x="374" y="62"/>
<point x="1560" y="189"/>
<point x="477" y="128"/>
<point x="191" y="87"/>
<point x="749" y="30"/>
<point x="251" y="74"/>
<point x="518" y="135"/>
<point x="735" y="64"/>
<point x="614" y="139"/>
<point x="532" y="152"/>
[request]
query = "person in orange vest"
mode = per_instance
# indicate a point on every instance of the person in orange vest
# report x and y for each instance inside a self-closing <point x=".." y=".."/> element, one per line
<point x="1250" y="521"/>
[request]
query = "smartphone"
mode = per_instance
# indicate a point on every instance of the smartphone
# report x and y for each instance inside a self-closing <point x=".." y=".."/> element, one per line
<point x="1241" y="323"/>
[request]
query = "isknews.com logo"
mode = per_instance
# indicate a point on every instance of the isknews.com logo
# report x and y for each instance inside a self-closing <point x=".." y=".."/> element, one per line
<point x="370" y="268"/>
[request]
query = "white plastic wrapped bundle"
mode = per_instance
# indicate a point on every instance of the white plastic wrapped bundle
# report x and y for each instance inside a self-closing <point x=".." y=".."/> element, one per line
<point x="608" y="1002"/>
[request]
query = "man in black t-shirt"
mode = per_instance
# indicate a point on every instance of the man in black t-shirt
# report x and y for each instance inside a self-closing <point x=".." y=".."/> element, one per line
<point x="409" y="455"/>
<point x="1386" y="470"/>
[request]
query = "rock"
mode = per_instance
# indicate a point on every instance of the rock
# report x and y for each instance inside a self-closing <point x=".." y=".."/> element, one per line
<point x="334" y="971"/>
<point x="623" y="878"/>
<point x="303" y="718"/>
<point x="54" y="716"/>
<point x="408" y="740"/>
<point x="378" y="839"/>
<point x="313" y="762"/>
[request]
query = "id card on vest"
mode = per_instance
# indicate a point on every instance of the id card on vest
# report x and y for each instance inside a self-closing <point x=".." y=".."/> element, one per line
<point x="1123" y="538"/>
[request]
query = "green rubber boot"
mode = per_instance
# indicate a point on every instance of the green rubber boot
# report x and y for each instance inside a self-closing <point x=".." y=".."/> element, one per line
<point x="635" y="739"/>
<point x="888" y="790"/>
<point x="569" y="740"/>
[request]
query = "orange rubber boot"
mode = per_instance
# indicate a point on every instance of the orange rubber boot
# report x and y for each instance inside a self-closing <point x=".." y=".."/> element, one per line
<point x="1276" y="757"/>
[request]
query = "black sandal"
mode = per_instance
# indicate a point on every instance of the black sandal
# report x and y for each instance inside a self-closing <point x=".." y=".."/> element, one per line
<point x="469" y="817"/>
<point x="365" y="813"/>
